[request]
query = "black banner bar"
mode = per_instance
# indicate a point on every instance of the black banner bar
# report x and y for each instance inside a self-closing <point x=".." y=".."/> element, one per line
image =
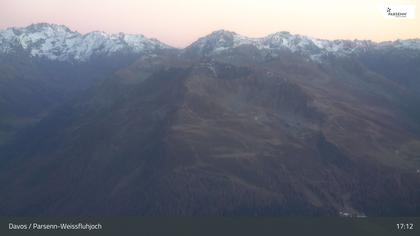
<point x="212" y="226"/>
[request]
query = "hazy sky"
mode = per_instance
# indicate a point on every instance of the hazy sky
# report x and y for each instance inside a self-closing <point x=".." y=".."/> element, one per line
<point x="180" y="22"/>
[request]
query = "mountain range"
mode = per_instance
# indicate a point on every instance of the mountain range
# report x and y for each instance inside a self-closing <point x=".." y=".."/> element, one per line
<point x="57" y="42"/>
<point x="104" y="124"/>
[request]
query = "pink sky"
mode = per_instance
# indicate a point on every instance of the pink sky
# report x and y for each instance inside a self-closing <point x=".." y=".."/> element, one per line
<point x="180" y="22"/>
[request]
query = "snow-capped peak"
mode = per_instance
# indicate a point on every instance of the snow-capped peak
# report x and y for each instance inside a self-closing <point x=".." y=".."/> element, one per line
<point x="413" y="44"/>
<point x="57" y="42"/>
<point x="217" y="41"/>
